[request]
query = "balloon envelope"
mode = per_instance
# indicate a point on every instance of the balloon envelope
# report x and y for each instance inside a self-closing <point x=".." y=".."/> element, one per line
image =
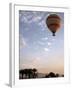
<point x="53" y="23"/>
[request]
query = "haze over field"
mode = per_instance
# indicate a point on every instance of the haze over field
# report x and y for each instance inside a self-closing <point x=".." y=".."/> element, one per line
<point x="38" y="48"/>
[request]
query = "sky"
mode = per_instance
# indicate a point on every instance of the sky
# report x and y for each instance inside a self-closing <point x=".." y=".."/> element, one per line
<point x="37" y="47"/>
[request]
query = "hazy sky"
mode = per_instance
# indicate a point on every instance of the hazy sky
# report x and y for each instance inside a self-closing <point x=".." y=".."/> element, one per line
<point x="38" y="48"/>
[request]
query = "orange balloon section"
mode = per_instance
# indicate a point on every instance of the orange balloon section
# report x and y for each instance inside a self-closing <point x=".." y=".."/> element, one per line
<point x="53" y="23"/>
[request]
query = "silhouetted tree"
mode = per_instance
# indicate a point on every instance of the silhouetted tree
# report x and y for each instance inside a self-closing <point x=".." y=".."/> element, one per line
<point x="26" y="72"/>
<point x="51" y="74"/>
<point x="29" y="73"/>
<point x="34" y="72"/>
<point x="46" y="76"/>
<point x="22" y="73"/>
<point x="62" y="75"/>
<point x="57" y="75"/>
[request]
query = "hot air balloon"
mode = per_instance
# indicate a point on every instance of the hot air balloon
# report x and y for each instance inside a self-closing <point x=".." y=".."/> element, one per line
<point x="53" y="22"/>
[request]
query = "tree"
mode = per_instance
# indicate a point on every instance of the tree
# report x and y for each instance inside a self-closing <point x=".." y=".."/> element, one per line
<point x="29" y="73"/>
<point x="26" y="72"/>
<point x="22" y="73"/>
<point x="57" y="75"/>
<point x="62" y="75"/>
<point x="51" y="74"/>
<point x="46" y="76"/>
<point x="34" y="72"/>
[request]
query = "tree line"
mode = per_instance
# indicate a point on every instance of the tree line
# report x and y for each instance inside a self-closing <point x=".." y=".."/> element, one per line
<point x="28" y="73"/>
<point x="33" y="73"/>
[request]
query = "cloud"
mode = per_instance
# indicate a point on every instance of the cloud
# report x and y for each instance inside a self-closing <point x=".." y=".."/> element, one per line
<point x="25" y="17"/>
<point x="49" y="43"/>
<point x="38" y="58"/>
<point x="22" y="42"/>
<point x="32" y="16"/>
<point x="46" y="49"/>
<point x="42" y="24"/>
<point x="27" y="29"/>
<point x="45" y="38"/>
<point x="31" y="63"/>
<point x="36" y="18"/>
<point x="53" y="39"/>
<point x="29" y="17"/>
<point x="41" y="43"/>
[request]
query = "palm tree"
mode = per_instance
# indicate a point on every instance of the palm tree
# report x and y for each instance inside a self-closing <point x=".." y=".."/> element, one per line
<point x="21" y="72"/>
<point x="26" y="73"/>
<point x="29" y="73"/>
<point x="34" y="72"/>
